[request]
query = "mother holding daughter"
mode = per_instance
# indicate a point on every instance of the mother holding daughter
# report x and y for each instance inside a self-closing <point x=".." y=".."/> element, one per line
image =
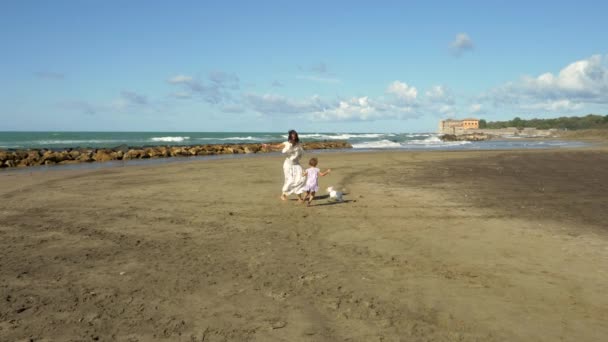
<point x="294" y="178"/>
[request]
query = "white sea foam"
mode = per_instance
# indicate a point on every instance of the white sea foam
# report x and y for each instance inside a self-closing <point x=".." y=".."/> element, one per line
<point x="430" y="142"/>
<point x="340" y="136"/>
<point x="435" y="141"/>
<point x="71" y="142"/>
<point x="378" y="144"/>
<point x="243" y="138"/>
<point x="170" y="139"/>
<point x="249" y="138"/>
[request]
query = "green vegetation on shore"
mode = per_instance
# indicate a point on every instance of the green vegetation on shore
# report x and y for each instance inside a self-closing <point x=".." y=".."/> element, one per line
<point x="591" y="121"/>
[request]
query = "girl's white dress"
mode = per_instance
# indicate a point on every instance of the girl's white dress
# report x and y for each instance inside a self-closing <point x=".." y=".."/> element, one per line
<point x="294" y="178"/>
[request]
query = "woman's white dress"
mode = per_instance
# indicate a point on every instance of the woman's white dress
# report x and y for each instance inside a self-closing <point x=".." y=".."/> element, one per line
<point x="294" y="178"/>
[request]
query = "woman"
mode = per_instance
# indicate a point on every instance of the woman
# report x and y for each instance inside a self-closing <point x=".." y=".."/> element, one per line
<point x="294" y="178"/>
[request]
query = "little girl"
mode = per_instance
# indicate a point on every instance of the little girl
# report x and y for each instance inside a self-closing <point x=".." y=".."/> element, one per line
<point x="312" y="180"/>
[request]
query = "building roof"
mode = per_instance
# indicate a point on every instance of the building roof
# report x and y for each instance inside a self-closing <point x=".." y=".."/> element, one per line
<point x="472" y="119"/>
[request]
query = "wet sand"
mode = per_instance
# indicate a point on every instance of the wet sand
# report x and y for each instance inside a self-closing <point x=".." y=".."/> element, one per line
<point x="429" y="246"/>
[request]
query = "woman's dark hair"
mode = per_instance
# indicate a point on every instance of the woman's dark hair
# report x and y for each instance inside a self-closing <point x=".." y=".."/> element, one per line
<point x="293" y="137"/>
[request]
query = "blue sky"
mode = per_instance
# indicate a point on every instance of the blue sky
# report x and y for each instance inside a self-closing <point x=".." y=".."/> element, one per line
<point x="397" y="66"/>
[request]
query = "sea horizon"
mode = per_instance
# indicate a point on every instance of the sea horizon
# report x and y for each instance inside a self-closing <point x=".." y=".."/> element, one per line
<point x="54" y="140"/>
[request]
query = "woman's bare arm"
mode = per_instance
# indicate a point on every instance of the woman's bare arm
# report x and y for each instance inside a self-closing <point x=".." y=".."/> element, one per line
<point x="273" y="147"/>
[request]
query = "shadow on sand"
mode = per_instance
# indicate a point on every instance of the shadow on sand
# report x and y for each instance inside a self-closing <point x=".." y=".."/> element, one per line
<point x="330" y="203"/>
<point x="324" y="197"/>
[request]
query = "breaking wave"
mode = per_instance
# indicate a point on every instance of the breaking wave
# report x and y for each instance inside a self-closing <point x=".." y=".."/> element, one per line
<point x="169" y="139"/>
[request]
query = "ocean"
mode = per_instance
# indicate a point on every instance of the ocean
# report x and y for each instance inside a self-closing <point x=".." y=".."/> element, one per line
<point x="360" y="141"/>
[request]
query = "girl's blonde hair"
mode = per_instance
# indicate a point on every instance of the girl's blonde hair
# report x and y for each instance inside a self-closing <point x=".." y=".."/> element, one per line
<point x="313" y="162"/>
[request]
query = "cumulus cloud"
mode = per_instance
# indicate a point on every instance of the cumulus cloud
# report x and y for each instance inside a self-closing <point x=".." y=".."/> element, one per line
<point x="461" y="43"/>
<point x="401" y="104"/>
<point x="365" y="109"/>
<point x="402" y="91"/>
<point x="583" y="82"/>
<point x="49" y="75"/>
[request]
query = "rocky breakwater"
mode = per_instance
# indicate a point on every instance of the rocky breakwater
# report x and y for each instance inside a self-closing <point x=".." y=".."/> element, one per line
<point x="35" y="157"/>
<point x="466" y="137"/>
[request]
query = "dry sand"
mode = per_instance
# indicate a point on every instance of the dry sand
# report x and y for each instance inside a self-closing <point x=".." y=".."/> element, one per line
<point x="429" y="246"/>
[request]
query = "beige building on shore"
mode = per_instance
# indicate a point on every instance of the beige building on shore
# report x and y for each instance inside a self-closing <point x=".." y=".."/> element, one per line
<point x="451" y="126"/>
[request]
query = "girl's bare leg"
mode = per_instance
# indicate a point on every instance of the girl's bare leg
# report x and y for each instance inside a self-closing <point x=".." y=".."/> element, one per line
<point x="310" y="198"/>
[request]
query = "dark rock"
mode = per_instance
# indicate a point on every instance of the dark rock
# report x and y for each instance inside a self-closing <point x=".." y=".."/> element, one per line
<point x="448" y="137"/>
<point x="123" y="148"/>
<point x="466" y="137"/>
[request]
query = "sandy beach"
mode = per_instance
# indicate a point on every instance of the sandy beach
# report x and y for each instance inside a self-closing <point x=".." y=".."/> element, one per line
<point x="428" y="246"/>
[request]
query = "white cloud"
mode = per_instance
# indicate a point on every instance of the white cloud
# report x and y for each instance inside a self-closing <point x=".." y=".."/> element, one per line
<point x="560" y="106"/>
<point x="447" y="111"/>
<point x="352" y="109"/>
<point x="439" y="94"/>
<point x="461" y="43"/>
<point x="583" y="82"/>
<point x="475" y="108"/>
<point x="403" y="91"/>
<point x="584" y="79"/>
<point x="365" y="109"/>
